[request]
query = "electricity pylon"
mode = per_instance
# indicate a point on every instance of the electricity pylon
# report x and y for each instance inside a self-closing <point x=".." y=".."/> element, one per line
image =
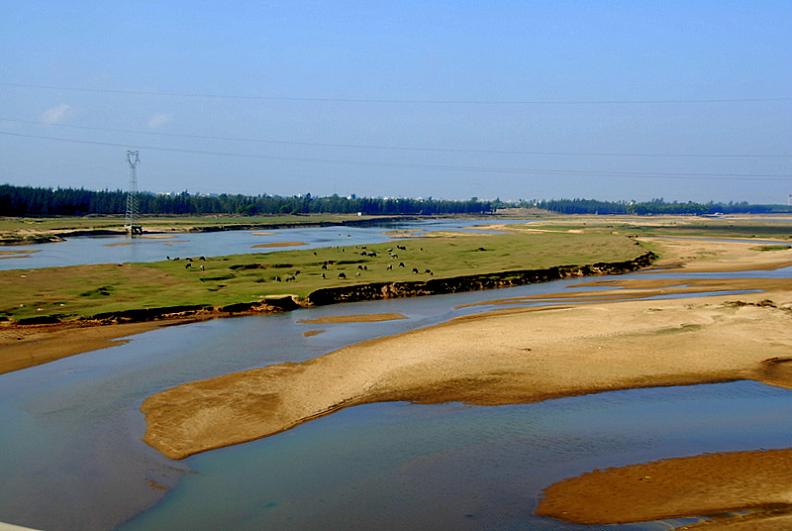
<point x="132" y="227"/>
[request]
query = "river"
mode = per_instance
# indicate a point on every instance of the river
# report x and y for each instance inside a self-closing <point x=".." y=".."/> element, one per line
<point x="72" y="457"/>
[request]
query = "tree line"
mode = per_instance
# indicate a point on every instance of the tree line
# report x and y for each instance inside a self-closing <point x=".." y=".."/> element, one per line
<point x="655" y="206"/>
<point x="35" y="201"/>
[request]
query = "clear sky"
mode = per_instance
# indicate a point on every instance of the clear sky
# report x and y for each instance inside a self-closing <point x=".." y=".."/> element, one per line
<point x="446" y="70"/>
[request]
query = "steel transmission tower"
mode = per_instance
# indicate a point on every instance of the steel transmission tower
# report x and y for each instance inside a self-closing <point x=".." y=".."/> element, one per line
<point x="132" y="227"/>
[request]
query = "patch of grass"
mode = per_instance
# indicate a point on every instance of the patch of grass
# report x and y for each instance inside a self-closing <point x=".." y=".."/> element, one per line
<point x="250" y="277"/>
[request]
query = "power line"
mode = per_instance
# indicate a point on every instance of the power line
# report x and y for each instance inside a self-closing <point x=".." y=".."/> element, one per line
<point x="327" y="99"/>
<point x="397" y="148"/>
<point x="445" y="167"/>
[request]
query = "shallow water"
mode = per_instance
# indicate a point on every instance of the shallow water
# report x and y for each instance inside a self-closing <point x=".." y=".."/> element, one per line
<point x="452" y="466"/>
<point x="71" y="448"/>
<point x="117" y="249"/>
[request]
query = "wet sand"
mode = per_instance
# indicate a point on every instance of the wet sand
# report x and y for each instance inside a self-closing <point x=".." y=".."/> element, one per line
<point x="492" y="359"/>
<point x="757" y="483"/>
<point x="29" y="345"/>
<point x="357" y="318"/>
<point x="311" y="333"/>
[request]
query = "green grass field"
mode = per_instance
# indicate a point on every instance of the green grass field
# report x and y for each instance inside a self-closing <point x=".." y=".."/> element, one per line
<point x="84" y="291"/>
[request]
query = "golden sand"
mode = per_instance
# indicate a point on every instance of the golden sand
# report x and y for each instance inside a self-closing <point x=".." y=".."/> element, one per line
<point x="757" y="483"/>
<point x="492" y="359"/>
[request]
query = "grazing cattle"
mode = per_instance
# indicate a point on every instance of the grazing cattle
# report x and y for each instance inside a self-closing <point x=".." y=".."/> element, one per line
<point x="167" y="258"/>
<point x="324" y="266"/>
<point x="401" y="264"/>
<point x="402" y="247"/>
<point x="415" y="269"/>
<point x="296" y="272"/>
<point x="390" y="267"/>
<point x="365" y="268"/>
<point x="187" y="265"/>
<point x="314" y="253"/>
<point x="188" y="259"/>
<point x="357" y="274"/>
<point x="202" y="259"/>
<point x="341" y="275"/>
<point x="277" y="279"/>
<point x="324" y="276"/>
<point x="429" y="271"/>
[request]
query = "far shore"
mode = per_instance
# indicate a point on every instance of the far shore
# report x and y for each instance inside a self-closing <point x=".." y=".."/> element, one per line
<point x="159" y="226"/>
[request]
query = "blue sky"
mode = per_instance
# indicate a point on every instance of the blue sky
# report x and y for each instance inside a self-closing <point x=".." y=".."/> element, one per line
<point x="484" y="51"/>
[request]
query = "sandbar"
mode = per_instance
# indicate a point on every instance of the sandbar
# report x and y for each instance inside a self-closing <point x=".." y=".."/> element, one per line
<point x="756" y="483"/>
<point x="357" y="318"/>
<point x="29" y="345"/>
<point x="492" y="359"/>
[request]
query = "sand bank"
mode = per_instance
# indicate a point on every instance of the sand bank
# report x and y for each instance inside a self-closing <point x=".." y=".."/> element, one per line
<point x="357" y="318"/>
<point x="641" y="288"/>
<point x="25" y="252"/>
<point x="495" y="359"/>
<point x="25" y="346"/>
<point x="311" y="333"/>
<point x="711" y="484"/>
<point x="707" y="255"/>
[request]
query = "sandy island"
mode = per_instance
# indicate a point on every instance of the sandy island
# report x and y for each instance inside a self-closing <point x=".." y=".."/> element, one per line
<point x="756" y="484"/>
<point x="492" y="359"/>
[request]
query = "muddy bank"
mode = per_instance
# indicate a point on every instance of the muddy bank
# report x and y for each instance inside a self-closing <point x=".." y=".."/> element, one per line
<point x="488" y="360"/>
<point x="28" y="239"/>
<point x="753" y="483"/>
<point x="484" y="281"/>
<point x="35" y="340"/>
<point x="22" y="347"/>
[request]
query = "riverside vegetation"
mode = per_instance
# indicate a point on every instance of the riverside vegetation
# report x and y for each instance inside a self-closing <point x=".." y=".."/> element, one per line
<point x="97" y="291"/>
